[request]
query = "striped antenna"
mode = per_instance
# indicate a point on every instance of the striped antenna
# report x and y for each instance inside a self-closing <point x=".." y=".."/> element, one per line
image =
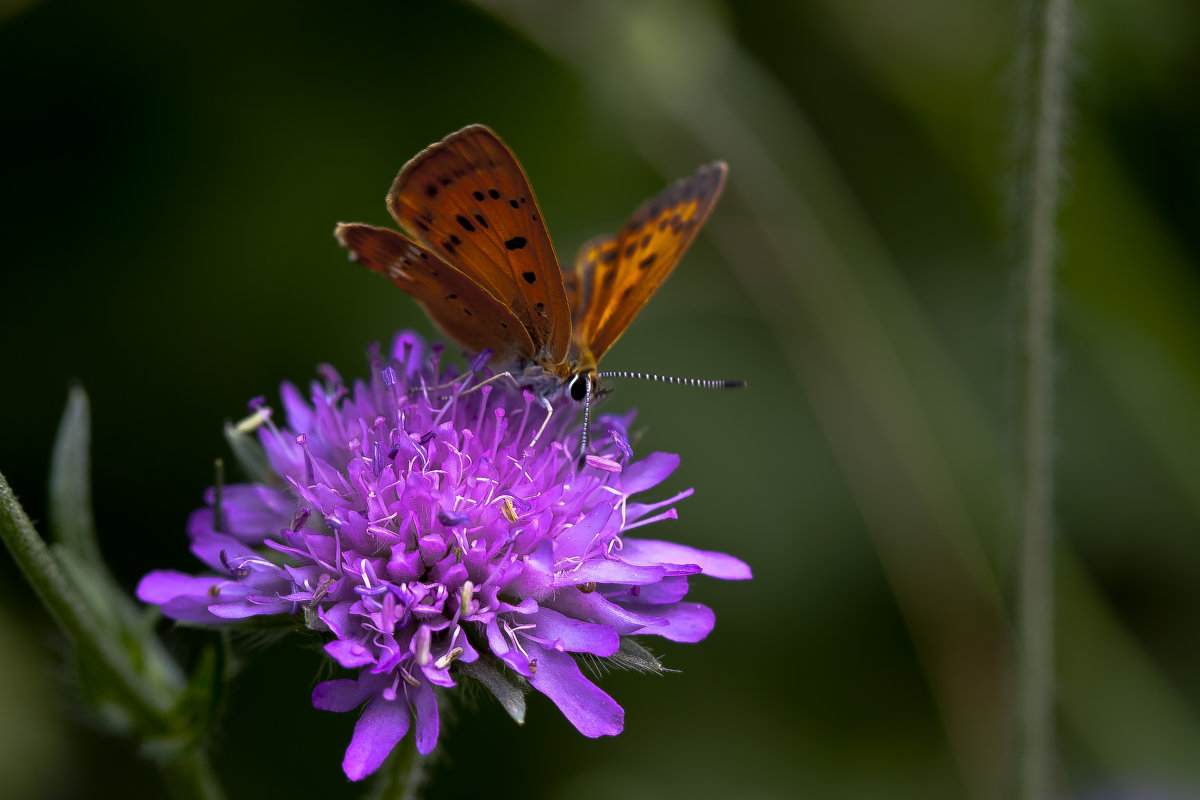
<point x="587" y="413"/>
<point x="701" y="383"/>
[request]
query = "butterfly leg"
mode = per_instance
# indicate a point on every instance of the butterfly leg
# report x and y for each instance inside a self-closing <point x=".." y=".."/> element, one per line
<point x="542" y="400"/>
<point x="493" y="379"/>
<point x="549" y="412"/>
<point x="476" y="365"/>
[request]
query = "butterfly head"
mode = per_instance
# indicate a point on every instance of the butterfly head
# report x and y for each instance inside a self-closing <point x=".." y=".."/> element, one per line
<point x="578" y="386"/>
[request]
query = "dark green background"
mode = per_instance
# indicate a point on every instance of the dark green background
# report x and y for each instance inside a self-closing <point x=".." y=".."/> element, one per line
<point x="172" y="176"/>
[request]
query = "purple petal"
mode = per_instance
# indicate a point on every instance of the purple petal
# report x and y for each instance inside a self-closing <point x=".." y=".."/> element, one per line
<point x="686" y="622"/>
<point x="601" y="570"/>
<point x="241" y="609"/>
<point x="425" y="704"/>
<point x="716" y="565"/>
<point x="159" y="587"/>
<point x="379" y="729"/>
<point x="635" y="511"/>
<point x="299" y="413"/>
<point x="650" y="471"/>
<point x="183" y="597"/>
<point x="668" y="590"/>
<point x="249" y="512"/>
<point x="341" y="695"/>
<point x="208" y="546"/>
<point x="337" y="617"/>
<point x="588" y="708"/>
<point x="578" y="539"/>
<point x="594" y="607"/>
<point x="555" y="629"/>
<point x="350" y="655"/>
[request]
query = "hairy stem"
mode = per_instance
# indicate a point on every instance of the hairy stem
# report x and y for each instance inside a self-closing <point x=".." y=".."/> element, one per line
<point x="71" y="613"/>
<point x="1037" y="215"/>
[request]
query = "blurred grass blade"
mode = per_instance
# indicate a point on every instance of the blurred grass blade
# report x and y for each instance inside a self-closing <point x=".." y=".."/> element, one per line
<point x="72" y="523"/>
<point x="1114" y="698"/>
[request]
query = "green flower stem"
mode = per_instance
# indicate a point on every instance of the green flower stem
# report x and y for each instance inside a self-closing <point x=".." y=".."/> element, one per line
<point x="1035" y="614"/>
<point x="190" y="776"/>
<point x="150" y="706"/>
<point x="187" y="771"/>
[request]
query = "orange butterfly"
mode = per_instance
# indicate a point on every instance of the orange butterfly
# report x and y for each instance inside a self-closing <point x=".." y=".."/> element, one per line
<point x="481" y="264"/>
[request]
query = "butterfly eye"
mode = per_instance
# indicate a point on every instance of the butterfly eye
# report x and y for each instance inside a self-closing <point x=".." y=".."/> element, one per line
<point x="579" y="387"/>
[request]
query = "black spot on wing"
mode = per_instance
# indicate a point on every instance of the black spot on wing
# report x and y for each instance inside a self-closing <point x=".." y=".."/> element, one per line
<point x="465" y="223"/>
<point x="492" y="193"/>
<point x="516" y="243"/>
<point x="529" y="277"/>
<point x="480" y="219"/>
<point x="478" y="195"/>
<point x="647" y="261"/>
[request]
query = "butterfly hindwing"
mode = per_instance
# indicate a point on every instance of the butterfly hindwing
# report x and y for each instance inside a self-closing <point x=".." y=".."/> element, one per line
<point x="467" y="199"/>
<point x="465" y="311"/>
<point x="616" y="276"/>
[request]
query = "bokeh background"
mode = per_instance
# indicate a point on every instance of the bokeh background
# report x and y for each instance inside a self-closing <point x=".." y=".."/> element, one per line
<point x="172" y="175"/>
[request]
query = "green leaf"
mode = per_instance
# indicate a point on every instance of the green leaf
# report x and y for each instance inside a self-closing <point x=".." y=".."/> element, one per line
<point x="634" y="656"/>
<point x="510" y="695"/>
<point x="76" y="548"/>
<point x="70" y="512"/>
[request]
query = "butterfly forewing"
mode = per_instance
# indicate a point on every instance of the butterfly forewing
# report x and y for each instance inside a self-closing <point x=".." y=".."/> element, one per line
<point x="465" y="311"/>
<point x="616" y="276"/>
<point x="467" y="199"/>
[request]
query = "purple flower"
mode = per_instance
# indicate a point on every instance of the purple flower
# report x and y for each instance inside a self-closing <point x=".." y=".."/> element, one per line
<point x="408" y="519"/>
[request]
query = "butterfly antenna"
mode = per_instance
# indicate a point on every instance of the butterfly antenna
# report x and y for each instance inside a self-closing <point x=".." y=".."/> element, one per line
<point x="702" y="383"/>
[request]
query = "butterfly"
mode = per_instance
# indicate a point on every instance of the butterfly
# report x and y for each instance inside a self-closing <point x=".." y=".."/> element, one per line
<point x="479" y="260"/>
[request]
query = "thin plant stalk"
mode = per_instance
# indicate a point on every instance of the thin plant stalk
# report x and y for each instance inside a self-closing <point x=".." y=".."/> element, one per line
<point x="1037" y="216"/>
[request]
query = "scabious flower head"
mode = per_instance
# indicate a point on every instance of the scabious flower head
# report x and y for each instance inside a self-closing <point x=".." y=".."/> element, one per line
<point x="410" y="521"/>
